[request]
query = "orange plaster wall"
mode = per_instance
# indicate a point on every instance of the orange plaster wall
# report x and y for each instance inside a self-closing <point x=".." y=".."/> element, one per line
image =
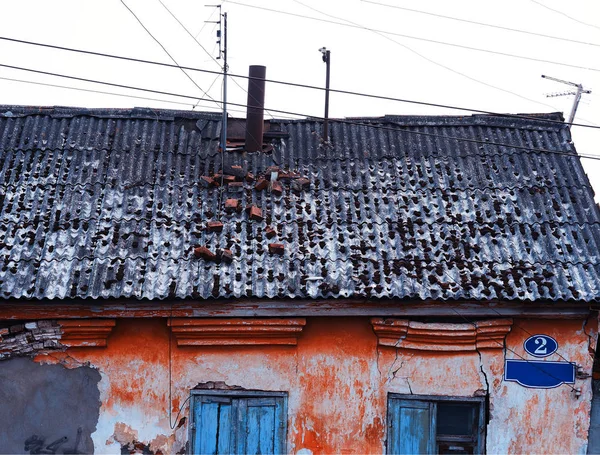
<point x="337" y="378"/>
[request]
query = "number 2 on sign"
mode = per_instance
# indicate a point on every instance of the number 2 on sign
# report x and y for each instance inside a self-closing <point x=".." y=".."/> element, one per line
<point x="541" y="350"/>
<point x="540" y="345"/>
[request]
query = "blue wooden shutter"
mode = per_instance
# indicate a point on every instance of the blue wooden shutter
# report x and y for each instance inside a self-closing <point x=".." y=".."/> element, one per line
<point x="411" y="427"/>
<point x="213" y="422"/>
<point x="261" y="426"/>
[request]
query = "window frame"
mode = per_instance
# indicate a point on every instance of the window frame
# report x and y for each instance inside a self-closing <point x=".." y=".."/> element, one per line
<point x="196" y="394"/>
<point x="434" y="399"/>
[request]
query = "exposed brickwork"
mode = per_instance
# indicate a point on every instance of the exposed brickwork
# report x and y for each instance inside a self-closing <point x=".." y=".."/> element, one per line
<point x="28" y="339"/>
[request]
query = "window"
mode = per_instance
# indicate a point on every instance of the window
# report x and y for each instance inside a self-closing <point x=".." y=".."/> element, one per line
<point x="431" y="425"/>
<point x="237" y="421"/>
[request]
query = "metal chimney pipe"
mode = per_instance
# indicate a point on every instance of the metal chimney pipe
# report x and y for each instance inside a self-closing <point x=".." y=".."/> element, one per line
<point x="255" y="108"/>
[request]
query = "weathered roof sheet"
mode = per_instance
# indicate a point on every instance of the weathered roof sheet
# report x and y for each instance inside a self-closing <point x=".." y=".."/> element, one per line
<point x="106" y="203"/>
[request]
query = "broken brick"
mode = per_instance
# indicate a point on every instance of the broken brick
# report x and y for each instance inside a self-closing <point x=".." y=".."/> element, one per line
<point x="249" y="177"/>
<point x="235" y="187"/>
<point x="236" y="171"/>
<point x="225" y="255"/>
<point x="262" y="184"/>
<point x="270" y="232"/>
<point x="207" y="181"/>
<point x="289" y="175"/>
<point x="204" y="253"/>
<point x="276" y="188"/>
<point x="254" y="213"/>
<point x="276" y="248"/>
<point x="301" y="184"/>
<point x="232" y="205"/>
<point x="228" y="179"/>
<point x="214" y="226"/>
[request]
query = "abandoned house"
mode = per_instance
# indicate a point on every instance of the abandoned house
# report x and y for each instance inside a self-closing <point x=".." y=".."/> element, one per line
<point x="409" y="285"/>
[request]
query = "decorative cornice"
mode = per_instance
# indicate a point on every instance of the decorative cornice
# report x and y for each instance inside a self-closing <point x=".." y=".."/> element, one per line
<point x="86" y="332"/>
<point x="406" y="334"/>
<point x="223" y="332"/>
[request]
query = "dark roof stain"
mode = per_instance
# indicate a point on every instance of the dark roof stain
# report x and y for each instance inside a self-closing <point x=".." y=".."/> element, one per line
<point x="107" y="203"/>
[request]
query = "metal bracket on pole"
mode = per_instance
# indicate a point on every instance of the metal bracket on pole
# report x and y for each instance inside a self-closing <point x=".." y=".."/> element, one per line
<point x="578" y="93"/>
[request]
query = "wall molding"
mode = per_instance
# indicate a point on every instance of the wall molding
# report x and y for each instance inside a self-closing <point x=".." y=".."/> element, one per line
<point x="236" y="331"/>
<point x="448" y="337"/>
<point x="86" y="332"/>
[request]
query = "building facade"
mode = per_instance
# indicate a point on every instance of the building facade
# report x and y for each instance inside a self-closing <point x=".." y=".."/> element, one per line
<point x="410" y="285"/>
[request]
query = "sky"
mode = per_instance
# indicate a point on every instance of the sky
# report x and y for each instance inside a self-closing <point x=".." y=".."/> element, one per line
<point x="402" y="50"/>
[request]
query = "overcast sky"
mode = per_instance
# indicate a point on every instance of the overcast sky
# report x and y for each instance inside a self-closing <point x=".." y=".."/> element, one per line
<point x="376" y="61"/>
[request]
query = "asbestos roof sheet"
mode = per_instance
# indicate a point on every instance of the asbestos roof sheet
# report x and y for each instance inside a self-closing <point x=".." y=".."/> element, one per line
<point x="105" y="203"/>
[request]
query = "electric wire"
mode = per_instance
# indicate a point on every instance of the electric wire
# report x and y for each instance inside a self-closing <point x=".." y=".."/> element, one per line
<point x="204" y="49"/>
<point x="207" y="21"/>
<point x="444" y="43"/>
<point x="434" y="62"/>
<point x="564" y="14"/>
<point x="287" y="83"/>
<point x="483" y="24"/>
<point x="164" y="49"/>
<point x="573" y="389"/>
<point x="180" y="103"/>
<point x="316" y="118"/>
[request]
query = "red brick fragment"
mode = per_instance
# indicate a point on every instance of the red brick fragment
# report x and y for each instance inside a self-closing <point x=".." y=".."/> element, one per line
<point x="301" y="184"/>
<point x="207" y="181"/>
<point x="236" y="171"/>
<point x="254" y="213"/>
<point x="235" y="187"/>
<point x="270" y="232"/>
<point x="289" y="175"/>
<point x="225" y="255"/>
<point x="227" y="179"/>
<point x="249" y="177"/>
<point x="204" y="253"/>
<point x="276" y="188"/>
<point x="232" y="205"/>
<point x="262" y="184"/>
<point x="214" y="226"/>
<point x="276" y="248"/>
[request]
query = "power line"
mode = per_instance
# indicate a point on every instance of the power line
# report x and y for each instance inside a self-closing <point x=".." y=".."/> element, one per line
<point x="564" y="14"/>
<point x="164" y="49"/>
<point x="44" y="84"/>
<point x="444" y="43"/>
<point x="203" y="48"/>
<point x="483" y="24"/>
<point x="434" y="62"/>
<point x="316" y="118"/>
<point x="294" y="84"/>
<point x="573" y="389"/>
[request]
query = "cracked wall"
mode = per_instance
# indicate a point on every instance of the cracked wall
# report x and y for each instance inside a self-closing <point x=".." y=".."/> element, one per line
<point x="337" y="378"/>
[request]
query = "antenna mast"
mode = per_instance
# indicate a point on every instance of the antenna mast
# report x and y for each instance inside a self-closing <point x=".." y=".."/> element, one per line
<point x="580" y="90"/>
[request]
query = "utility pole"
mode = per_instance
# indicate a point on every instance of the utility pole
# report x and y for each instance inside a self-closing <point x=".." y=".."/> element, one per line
<point x="327" y="59"/>
<point x="225" y="69"/>
<point x="222" y="42"/>
<point x="578" y="93"/>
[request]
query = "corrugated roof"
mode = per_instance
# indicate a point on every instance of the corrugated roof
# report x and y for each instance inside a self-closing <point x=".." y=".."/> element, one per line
<point x="105" y="203"/>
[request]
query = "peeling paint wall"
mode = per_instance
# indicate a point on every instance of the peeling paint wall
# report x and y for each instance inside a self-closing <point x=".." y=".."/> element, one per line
<point x="337" y="378"/>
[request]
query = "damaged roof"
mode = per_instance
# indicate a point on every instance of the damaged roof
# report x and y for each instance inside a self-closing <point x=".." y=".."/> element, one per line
<point x="107" y="203"/>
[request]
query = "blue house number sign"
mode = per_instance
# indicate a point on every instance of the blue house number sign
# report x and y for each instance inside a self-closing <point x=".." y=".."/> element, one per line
<point x="539" y="374"/>
<point x="540" y="345"/>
